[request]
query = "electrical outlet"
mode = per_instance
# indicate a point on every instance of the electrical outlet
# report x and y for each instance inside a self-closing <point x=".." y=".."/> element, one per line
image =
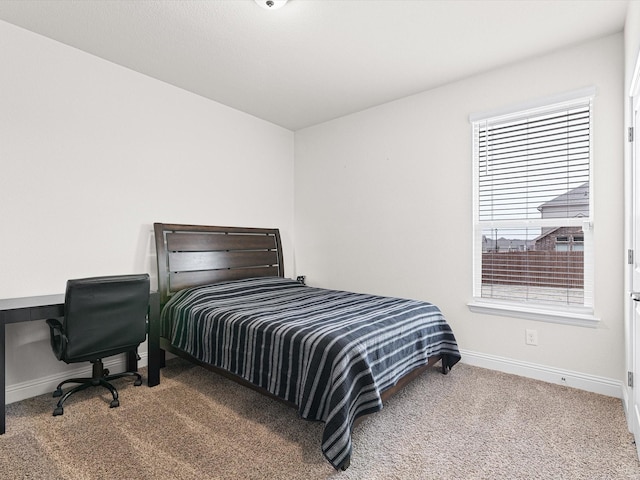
<point x="531" y="336"/>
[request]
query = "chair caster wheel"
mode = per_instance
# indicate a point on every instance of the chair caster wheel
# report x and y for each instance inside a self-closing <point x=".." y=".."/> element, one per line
<point x="137" y="383"/>
<point x="106" y="372"/>
<point x="57" y="393"/>
<point x="58" y="411"/>
<point x="114" y="403"/>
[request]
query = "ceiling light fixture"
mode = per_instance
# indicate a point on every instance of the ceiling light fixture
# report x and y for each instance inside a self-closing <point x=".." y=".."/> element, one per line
<point x="271" y="4"/>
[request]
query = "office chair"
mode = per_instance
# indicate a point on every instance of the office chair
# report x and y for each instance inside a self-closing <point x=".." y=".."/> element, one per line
<point x="103" y="316"/>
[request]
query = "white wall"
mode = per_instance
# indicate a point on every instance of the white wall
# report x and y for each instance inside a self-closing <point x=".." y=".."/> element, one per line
<point x="92" y="154"/>
<point x="383" y="205"/>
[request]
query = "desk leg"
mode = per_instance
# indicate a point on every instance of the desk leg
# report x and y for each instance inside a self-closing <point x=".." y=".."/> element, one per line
<point x="2" y="383"/>
<point x="153" y="342"/>
<point x="132" y="361"/>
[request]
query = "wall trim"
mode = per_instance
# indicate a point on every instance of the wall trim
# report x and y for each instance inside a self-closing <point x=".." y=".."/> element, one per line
<point x="42" y="385"/>
<point x="583" y="381"/>
<point x="626" y="405"/>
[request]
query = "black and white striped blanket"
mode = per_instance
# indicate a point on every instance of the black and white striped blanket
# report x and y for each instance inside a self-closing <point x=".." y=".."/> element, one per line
<point x="331" y="353"/>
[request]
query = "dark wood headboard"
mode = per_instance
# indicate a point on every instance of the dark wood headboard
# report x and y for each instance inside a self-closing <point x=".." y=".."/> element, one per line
<point x="191" y="255"/>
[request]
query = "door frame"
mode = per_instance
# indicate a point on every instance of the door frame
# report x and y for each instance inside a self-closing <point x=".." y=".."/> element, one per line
<point x="631" y="395"/>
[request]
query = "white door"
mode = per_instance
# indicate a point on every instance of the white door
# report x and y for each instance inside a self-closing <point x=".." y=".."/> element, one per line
<point x="634" y="218"/>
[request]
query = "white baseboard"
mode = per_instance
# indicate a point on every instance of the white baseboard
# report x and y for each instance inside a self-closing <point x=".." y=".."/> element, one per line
<point x="582" y="381"/>
<point x="39" y="386"/>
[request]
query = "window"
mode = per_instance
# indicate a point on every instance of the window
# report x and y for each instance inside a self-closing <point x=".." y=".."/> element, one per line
<point x="533" y="207"/>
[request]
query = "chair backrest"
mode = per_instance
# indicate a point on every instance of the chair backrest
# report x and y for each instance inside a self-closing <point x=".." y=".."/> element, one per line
<point x="104" y="316"/>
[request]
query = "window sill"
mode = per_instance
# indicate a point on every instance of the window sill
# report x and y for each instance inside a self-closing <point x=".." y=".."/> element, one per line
<point x="581" y="317"/>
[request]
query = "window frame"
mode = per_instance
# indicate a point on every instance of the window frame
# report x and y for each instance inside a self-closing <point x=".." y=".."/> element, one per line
<point x="580" y="315"/>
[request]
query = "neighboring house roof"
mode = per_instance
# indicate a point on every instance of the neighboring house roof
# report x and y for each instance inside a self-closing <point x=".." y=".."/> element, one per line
<point x="546" y="233"/>
<point x="559" y="230"/>
<point x="575" y="203"/>
<point x="576" y="200"/>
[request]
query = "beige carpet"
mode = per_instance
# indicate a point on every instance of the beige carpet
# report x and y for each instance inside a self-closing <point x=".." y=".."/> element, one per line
<point x="471" y="424"/>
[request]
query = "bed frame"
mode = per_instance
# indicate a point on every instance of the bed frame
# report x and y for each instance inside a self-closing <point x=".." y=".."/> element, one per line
<point x="191" y="255"/>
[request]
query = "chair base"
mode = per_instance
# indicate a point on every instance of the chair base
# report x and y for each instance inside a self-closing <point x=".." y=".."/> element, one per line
<point x="100" y="378"/>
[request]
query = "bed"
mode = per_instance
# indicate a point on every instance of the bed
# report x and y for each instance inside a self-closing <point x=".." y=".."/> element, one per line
<point x="224" y="303"/>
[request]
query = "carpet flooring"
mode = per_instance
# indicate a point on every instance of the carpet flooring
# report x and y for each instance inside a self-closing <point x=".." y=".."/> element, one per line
<point x="470" y="424"/>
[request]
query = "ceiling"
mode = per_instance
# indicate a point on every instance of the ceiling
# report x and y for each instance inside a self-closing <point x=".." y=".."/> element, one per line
<point x="314" y="60"/>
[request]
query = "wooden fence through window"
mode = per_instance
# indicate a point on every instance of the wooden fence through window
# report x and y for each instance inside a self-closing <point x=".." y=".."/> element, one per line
<point x="534" y="268"/>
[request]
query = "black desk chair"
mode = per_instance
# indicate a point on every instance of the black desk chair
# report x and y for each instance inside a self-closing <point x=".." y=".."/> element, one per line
<point x="103" y="316"/>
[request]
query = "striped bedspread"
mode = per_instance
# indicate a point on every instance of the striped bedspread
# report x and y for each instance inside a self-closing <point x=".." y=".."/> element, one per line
<point x="331" y="353"/>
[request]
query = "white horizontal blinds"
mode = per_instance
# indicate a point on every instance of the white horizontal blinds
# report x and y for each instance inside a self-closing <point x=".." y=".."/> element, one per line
<point x="533" y="206"/>
<point x="528" y="161"/>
